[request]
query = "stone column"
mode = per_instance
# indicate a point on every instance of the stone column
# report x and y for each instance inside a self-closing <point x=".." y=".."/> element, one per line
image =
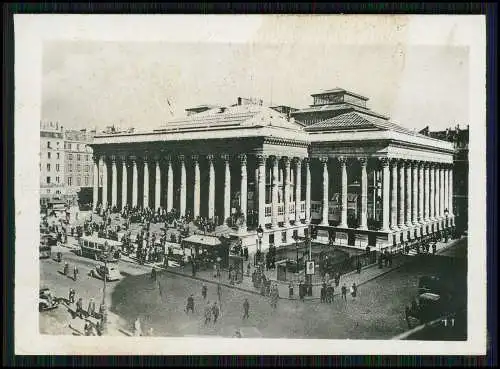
<point x="394" y="194"/>
<point x="157" y="184"/>
<point x="408" y="193"/>
<point x="104" y="182"/>
<point x="261" y="162"/>
<point x="364" y="193"/>
<point x="324" y="219"/>
<point x="298" y="188"/>
<point x="437" y="187"/>
<point x="427" y="193"/>
<point x="420" y="193"/>
<point x="182" y="206"/>
<point x="196" y="200"/>
<point x="441" y="192"/>
<point x="414" y="201"/>
<point x="124" y="180"/>
<point x="432" y="189"/>
<point x="145" y="192"/>
<point x="95" y="178"/>
<point x="114" y="182"/>
<point x="274" y="203"/>
<point x="286" y="190"/>
<point x="170" y="184"/>
<point x="450" y="192"/>
<point x="243" y="161"/>
<point x="445" y="188"/>
<point x="308" y="190"/>
<point x="227" y="188"/>
<point x="211" y="187"/>
<point x="401" y="194"/>
<point x="386" y="180"/>
<point x="343" y="206"/>
<point x="135" y="194"/>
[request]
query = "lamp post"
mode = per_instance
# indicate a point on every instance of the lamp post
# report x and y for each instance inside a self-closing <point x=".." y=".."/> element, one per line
<point x="104" y="309"/>
<point x="296" y="239"/>
<point x="446" y="212"/>
<point x="260" y="234"/>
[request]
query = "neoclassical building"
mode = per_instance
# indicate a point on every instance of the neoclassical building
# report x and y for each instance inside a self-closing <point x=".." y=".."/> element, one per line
<point x="361" y="178"/>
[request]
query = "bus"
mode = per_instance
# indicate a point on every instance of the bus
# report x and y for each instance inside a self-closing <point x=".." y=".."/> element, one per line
<point x="94" y="247"/>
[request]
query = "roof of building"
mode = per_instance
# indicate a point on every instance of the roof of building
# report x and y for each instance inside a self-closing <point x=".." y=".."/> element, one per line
<point x="204" y="240"/>
<point x="356" y="120"/>
<point x="338" y="107"/>
<point x="203" y="106"/>
<point x="234" y="116"/>
<point x="339" y="90"/>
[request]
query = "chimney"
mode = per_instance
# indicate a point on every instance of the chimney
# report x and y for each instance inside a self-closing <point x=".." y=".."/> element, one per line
<point x="239" y="101"/>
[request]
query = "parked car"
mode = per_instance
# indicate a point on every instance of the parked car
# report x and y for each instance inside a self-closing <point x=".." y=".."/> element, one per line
<point x="46" y="301"/>
<point x="110" y="272"/>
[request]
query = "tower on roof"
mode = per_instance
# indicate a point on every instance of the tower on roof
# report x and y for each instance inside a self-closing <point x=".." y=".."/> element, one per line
<point x="338" y="96"/>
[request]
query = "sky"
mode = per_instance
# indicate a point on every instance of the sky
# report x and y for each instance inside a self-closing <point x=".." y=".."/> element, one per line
<point x="88" y="84"/>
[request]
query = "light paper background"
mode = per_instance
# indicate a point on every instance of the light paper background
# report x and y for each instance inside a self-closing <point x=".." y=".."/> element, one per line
<point x="402" y="31"/>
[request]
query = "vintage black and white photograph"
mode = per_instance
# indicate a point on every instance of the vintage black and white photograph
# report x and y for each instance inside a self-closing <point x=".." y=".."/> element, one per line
<point x="278" y="177"/>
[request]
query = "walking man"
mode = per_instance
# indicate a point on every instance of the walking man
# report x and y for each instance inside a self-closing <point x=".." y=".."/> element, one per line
<point x="354" y="290"/>
<point x="75" y="273"/>
<point x="71" y="296"/>
<point x="208" y="313"/>
<point x="246" y="308"/>
<point x="344" y="292"/>
<point x="190" y="304"/>
<point x="204" y="292"/>
<point x="215" y="311"/>
<point x="91" y="308"/>
<point x="79" y="307"/>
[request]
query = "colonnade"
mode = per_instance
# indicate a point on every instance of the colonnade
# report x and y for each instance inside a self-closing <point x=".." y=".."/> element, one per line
<point x="413" y="192"/>
<point x="263" y="162"/>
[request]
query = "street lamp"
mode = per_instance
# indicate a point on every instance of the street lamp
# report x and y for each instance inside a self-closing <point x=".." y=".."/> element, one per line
<point x="104" y="309"/>
<point x="260" y="234"/>
<point x="296" y="238"/>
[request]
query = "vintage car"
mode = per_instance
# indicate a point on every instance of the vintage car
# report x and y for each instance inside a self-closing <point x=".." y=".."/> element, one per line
<point x="46" y="301"/>
<point x="110" y="272"/>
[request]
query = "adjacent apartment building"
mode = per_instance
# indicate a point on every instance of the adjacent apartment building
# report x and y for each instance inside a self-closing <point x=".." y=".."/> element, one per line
<point x="51" y="161"/>
<point x="65" y="163"/>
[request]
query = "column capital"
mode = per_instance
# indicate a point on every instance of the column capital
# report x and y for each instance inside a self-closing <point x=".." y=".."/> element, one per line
<point x="363" y="160"/>
<point x="145" y="157"/>
<point x="285" y="160"/>
<point x="261" y="159"/>
<point x="133" y="158"/>
<point x="273" y="159"/>
<point x="324" y="160"/>
<point x="123" y="158"/>
<point x="342" y="160"/>
<point x="113" y="158"/>
<point x="243" y="159"/>
<point x="96" y="157"/>
<point x="210" y="158"/>
<point x="103" y="157"/>
<point x="306" y="161"/>
<point x="297" y="161"/>
<point x="195" y="158"/>
<point x="406" y="163"/>
<point x="181" y="158"/>
<point x="168" y="158"/>
<point x="156" y="158"/>
<point x="225" y="157"/>
<point x="384" y="161"/>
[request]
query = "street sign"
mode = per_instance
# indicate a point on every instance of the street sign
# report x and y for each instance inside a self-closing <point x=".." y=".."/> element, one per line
<point x="309" y="267"/>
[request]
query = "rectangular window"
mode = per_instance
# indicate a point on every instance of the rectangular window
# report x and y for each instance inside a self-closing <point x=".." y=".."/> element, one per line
<point x="48" y="145"/>
<point x="48" y="155"/>
<point x="48" y="180"/>
<point x="48" y="167"/>
<point x="70" y="156"/>
<point x="69" y="145"/>
<point x="57" y="155"/>
<point x="78" y="157"/>
<point x="69" y="181"/>
<point x="57" y="167"/>
<point x="87" y="157"/>
<point x="57" y="179"/>
<point x="283" y="237"/>
<point x="78" y="181"/>
<point x="70" y="167"/>
<point x="86" y="181"/>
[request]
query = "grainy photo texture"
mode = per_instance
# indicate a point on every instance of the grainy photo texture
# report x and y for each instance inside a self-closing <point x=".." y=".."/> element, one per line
<point x="293" y="189"/>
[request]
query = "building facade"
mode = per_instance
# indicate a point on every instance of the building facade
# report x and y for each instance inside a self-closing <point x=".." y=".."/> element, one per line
<point x="460" y="139"/>
<point x="51" y="161"/>
<point x="78" y="162"/>
<point x="364" y="180"/>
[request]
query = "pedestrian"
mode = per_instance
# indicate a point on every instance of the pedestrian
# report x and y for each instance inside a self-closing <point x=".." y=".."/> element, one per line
<point x="323" y="292"/>
<point x="290" y="289"/>
<point x="204" y="292"/>
<point x="66" y="269"/>
<point x="301" y="291"/>
<point x="354" y="290"/>
<point x="75" y="273"/>
<point x="248" y="270"/>
<point x="246" y="308"/>
<point x="208" y="313"/>
<point x="137" y="327"/>
<point x="344" y="292"/>
<point x="91" y="308"/>
<point x="434" y="248"/>
<point x="79" y="307"/>
<point x="337" y="279"/>
<point x="358" y="267"/>
<point x="215" y="311"/>
<point x="215" y="270"/>
<point x="190" y="304"/>
<point x="71" y="296"/>
<point x="153" y="274"/>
